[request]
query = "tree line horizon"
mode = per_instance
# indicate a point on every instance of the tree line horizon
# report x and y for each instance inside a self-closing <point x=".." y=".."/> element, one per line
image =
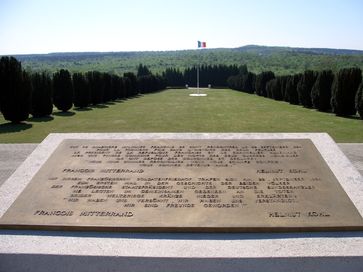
<point x="280" y="60"/>
<point x="25" y="92"/>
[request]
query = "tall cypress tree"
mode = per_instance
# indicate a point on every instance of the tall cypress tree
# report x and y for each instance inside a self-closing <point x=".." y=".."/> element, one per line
<point x="15" y="90"/>
<point x="62" y="90"/>
<point x="127" y="87"/>
<point x="277" y="88"/>
<point x="291" y="94"/>
<point x="122" y="90"/>
<point x="261" y="81"/>
<point x="344" y="88"/>
<point x="270" y="87"/>
<point x="249" y="82"/>
<point x="133" y="84"/>
<point x="96" y="85"/>
<point x="81" y="87"/>
<point x="284" y="80"/>
<point x="107" y="87"/>
<point x="304" y="88"/>
<point x="321" y="91"/>
<point x="116" y="85"/>
<point x="235" y="82"/>
<point x="359" y="100"/>
<point x="273" y="88"/>
<point x="42" y="103"/>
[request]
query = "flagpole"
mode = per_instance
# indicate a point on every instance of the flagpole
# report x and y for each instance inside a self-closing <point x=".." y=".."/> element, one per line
<point x="200" y="45"/>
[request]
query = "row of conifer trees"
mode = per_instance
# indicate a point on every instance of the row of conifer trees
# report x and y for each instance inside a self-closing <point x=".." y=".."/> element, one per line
<point x="340" y="93"/>
<point x="23" y="93"/>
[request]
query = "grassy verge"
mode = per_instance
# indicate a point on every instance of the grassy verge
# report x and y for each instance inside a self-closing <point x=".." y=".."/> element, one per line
<point x="175" y="111"/>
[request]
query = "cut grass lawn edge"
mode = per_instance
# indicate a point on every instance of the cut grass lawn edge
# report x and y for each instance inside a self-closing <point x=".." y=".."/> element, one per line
<point x="173" y="110"/>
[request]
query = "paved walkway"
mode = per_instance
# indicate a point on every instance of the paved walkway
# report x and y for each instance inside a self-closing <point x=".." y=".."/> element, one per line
<point x="354" y="152"/>
<point x="12" y="155"/>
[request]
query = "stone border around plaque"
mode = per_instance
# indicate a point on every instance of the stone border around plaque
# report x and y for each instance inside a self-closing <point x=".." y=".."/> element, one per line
<point x="173" y="185"/>
<point x="88" y="251"/>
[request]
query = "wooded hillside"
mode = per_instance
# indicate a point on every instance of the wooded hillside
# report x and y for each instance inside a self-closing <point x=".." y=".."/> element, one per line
<point x="280" y="60"/>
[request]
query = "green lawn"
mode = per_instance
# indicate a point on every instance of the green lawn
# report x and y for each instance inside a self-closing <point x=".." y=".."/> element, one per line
<point x="176" y="111"/>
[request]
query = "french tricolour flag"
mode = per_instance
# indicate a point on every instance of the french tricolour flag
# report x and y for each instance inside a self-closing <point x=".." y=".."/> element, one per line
<point x="202" y="44"/>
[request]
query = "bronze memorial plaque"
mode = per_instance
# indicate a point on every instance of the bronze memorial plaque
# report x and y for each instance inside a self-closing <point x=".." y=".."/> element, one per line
<point x="184" y="186"/>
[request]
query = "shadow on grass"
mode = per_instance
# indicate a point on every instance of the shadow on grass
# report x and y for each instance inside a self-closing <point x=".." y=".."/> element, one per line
<point x="83" y="109"/>
<point x="41" y="119"/>
<point x="12" y="127"/>
<point x="354" y="117"/>
<point x="100" y="106"/>
<point x="121" y="100"/>
<point x="64" y="114"/>
<point x="132" y="96"/>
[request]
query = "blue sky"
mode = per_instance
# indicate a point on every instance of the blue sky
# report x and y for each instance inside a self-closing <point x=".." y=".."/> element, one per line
<point x="43" y="26"/>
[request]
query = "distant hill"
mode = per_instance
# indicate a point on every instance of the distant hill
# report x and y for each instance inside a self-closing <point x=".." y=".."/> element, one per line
<point x="257" y="49"/>
<point x="281" y="60"/>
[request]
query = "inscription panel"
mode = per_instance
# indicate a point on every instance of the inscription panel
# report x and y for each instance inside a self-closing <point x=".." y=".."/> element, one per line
<point x="184" y="185"/>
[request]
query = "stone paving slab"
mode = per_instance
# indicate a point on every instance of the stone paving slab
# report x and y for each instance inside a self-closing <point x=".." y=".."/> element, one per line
<point x="12" y="155"/>
<point x="354" y="152"/>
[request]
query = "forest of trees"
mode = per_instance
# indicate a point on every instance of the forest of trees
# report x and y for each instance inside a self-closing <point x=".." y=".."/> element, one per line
<point x="280" y="60"/>
<point x="23" y="92"/>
